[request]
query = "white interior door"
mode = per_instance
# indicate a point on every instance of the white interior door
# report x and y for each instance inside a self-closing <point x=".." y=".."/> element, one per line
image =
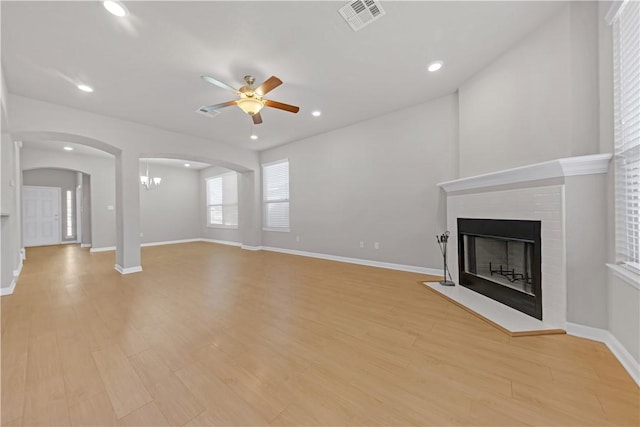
<point x="40" y="215"/>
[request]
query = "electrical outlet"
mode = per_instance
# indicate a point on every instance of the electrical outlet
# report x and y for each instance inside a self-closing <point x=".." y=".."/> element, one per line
<point x="297" y="238"/>
<point x="376" y="245"/>
<point x="141" y="234"/>
<point x="109" y="207"/>
<point x="362" y="244"/>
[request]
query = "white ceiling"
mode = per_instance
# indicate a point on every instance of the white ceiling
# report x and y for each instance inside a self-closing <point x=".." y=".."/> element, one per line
<point x="146" y="67"/>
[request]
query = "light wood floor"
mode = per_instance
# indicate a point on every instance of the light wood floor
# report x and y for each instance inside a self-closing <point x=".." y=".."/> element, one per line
<point x="214" y="335"/>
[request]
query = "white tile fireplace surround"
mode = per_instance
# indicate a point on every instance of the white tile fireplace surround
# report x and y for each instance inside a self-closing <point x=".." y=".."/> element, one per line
<point x="538" y="192"/>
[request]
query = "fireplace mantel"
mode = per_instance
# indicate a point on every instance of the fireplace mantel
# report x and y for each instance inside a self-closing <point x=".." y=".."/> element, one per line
<point x="572" y="266"/>
<point x="560" y="168"/>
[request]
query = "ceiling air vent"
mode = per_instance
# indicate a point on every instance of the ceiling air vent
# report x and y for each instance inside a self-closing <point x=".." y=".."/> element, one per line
<point x="211" y="114"/>
<point x="360" y="13"/>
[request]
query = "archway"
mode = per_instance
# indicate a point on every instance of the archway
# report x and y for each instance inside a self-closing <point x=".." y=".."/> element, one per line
<point x="74" y="194"/>
<point x="249" y="203"/>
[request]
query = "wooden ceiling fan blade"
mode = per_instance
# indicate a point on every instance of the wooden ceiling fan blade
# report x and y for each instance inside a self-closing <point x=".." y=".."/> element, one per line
<point x="282" y="106"/>
<point x="268" y="85"/>
<point x="218" y="83"/>
<point x="257" y="119"/>
<point x="213" y="107"/>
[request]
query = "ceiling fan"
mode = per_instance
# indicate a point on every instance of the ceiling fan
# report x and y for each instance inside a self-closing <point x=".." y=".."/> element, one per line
<point x="251" y="98"/>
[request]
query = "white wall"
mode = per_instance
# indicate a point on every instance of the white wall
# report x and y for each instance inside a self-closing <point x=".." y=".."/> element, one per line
<point x="211" y="232"/>
<point x="536" y="102"/>
<point x="171" y="211"/>
<point x="374" y="181"/>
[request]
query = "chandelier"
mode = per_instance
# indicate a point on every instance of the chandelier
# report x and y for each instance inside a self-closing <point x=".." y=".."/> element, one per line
<point x="148" y="182"/>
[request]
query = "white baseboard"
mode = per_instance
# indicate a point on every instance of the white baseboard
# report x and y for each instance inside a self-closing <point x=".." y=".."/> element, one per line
<point x="252" y="248"/>
<point x="9" y="290"/>
<point x="85" y="245"/>
<point x="16" y="273"/>
<point x="370" y="263"/>
<point x="222" y="242"/>
<point x="622" y="354"/>
<point x="127" y="270"/>
<point x="379" y="264"/>
<point x="169" y="242"/>
<point x="18" y="270"/>
<point x="104" y="249"/>
<point x="23" y="254"/>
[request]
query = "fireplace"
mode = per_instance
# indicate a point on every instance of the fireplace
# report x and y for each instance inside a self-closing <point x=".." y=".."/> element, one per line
<point x="501" y="259"/>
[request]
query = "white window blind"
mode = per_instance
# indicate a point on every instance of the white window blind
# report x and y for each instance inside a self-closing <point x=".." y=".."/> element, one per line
<point x="275" y="193"/>
<point x="626" y="55"/>
<point x="222" y="200"/>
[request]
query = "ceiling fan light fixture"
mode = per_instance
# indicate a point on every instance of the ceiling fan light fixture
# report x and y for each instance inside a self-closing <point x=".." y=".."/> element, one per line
<point x="250" y="106"/>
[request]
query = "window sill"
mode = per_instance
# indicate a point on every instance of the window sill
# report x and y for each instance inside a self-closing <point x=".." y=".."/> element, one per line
<point x="280" y="230"/>
<point x="227" y="227"/>
<point x="626" y="275"/>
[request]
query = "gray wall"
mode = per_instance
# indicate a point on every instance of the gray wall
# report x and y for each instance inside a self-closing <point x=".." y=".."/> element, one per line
<point x="66" y="180"/>
<point x="210" y="232"/>
<point x="586" y="250"/>
<point x="86" y="209"/>
<point x="170" y="212"/>
<point x="623" y="298"/>
<point x="10" y="238"/>
<point x="536" y="102"/>
<point x="373" y="182"/>
<point x="624" y="313"/>
<point x="102" y="186"/>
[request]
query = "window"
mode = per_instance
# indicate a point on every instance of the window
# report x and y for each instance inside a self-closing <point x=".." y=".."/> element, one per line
<point x="275" y="195"/>
<point x="69" y="216"/>
<point x="222" y="201"/>
<point x="626" y="56"/>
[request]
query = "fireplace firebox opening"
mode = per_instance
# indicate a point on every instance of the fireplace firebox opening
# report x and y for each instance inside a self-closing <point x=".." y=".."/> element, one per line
<point x="501" y="259"/>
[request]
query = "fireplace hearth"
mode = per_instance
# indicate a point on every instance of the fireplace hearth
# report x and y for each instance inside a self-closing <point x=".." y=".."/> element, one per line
<point x="501" y="259"/>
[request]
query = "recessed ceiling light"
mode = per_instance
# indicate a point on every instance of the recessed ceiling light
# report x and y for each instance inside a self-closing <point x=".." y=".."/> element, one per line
<point x="68" y="148"/>
<point x="434" y="66"/>
<point x="254" y="137"/>
<point x="115" y="8"/>
<point x="85" y="88"/>
<point x="316" y="113"/>
<point x="187" y="165"/>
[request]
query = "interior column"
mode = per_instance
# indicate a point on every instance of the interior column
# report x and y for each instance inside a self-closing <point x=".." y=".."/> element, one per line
<point x="127" y="213"/>
<point x="250" y="207"/>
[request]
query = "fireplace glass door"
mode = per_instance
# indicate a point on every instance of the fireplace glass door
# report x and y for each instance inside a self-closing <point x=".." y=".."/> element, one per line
<point x="504" y="261"/>
<point x="501" y="259"/>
